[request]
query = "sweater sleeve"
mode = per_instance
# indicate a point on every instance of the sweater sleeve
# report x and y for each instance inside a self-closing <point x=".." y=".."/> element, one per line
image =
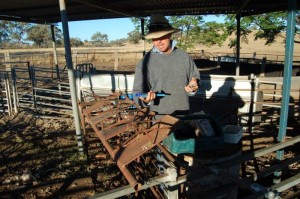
<point x="138" y="82"/>
<point x="194" y="72"/>
<point x="138" y="79"/>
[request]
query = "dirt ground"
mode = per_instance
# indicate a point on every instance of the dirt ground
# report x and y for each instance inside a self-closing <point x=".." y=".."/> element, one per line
<point x="40" y="159"/>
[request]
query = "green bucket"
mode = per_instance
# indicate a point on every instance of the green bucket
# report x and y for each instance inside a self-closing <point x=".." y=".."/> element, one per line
<point x="185" y="139"/>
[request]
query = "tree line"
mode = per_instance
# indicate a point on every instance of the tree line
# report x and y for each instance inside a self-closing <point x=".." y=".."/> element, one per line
<point x="195" y="30"/>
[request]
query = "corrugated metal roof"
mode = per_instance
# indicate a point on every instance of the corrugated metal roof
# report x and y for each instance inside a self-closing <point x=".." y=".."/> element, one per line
<point x="48" y="11"/>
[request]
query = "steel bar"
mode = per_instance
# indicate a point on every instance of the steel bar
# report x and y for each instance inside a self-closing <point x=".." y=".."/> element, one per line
<point x="243" y="183"/>
<point x="53" y="98"/>
<point x="287" y="74"/>
<point x="288" y="183"/>
<point x="52" y="117"/>
<point x="274" y="168"/>
<point x="14" y="89"/>
<point x="52" y="91"/>
<point x="64" y="19"/>
<point x="7" y="93"/>
<point x="261" y="152"/>
<point x="115" y="193"/>
<point x="53" y="105"/>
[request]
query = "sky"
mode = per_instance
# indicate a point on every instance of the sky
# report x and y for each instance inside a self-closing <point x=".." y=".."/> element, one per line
<point x="113" y="28"/>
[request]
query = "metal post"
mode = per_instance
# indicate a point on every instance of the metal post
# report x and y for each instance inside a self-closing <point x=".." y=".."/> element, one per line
<point x="7" y="59"/>
<point x="54" y="51"/>
<point x="7" y="92"/>
<point x="116" y="60"/>
<point x="219" y="62"/>
<point x="263" y="67"/>
<point x="287" y="74"/>
<point x="33" y="84"/>
<point x="143" y="33"/>
<point x="75" y="108"/>
<point x="238" y="44"/>
<point x="14" y="88"/>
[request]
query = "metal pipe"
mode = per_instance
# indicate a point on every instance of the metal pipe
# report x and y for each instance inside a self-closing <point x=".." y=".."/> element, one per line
<point x="14" y="87"/>
<point x="287" y="74"/>
<point x="63" y="13"/>
<point x="7" y="91"/>
<point x="143" y="33"/>
<point x="238" y="44"/>
<point x="54" y="52"/>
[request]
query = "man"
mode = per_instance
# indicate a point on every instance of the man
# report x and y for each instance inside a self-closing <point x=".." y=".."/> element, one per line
<point x="165" y="69"/>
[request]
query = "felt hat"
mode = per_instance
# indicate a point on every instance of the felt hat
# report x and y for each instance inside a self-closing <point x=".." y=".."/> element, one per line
<point x="159" y="26"/>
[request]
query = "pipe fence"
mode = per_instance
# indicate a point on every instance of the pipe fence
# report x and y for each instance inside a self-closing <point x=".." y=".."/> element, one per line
<point x="34" y="88"/>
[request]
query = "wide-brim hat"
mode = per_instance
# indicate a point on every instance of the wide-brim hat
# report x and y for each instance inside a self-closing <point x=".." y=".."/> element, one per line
<point x="159" y="27"/>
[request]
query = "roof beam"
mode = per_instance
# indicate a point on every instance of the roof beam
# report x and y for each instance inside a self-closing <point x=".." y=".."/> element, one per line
<point x="245" y="3"/>
<point x="96" y="4"/>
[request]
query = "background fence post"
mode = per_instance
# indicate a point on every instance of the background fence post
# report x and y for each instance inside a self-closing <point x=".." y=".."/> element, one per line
<point x="7" y="93"/>
<point x="7" y="59"/>
<point x="219" y="62"/>
<point x="263" y="67"/>
<point x="116" y="60"/>
<point x="32" y="78"/>
<point x="14" y="89"/>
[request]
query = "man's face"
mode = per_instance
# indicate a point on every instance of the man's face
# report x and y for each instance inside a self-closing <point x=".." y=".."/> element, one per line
<point x="163" y="43"/>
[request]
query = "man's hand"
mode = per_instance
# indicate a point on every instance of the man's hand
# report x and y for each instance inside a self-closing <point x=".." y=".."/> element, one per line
<point x="150" y="97"/>
<point x="192" y="86"/>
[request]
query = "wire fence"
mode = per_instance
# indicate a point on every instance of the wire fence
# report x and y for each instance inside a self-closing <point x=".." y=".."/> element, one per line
<point x="117" y="59"/>
<point x="31" y="79"/>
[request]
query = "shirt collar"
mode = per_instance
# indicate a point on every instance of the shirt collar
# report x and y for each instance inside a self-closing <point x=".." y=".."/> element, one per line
<point x="173" y="44"/>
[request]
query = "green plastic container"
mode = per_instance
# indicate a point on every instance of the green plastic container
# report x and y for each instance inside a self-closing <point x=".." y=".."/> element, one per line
<point x="185" y="141"/>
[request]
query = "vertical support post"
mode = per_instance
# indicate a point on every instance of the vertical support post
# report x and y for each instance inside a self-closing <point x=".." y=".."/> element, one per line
<point x="172" y="191"/>
<point x="32" y="78"/>
<point x="7" y="92"/>
<point x="14" y="88"/>
<point x="75" y="107"/>
<point x="287" y="74"/>
<point x="238" y="44"/>
<point x="54" y="51"/>
<point x="143" y="33"/>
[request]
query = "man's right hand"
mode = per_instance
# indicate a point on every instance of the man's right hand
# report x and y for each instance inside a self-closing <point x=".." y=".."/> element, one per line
<point x="150" y="97"/>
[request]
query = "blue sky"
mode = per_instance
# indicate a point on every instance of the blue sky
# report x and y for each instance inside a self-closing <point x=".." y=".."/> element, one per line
<point x="114" y="28"/>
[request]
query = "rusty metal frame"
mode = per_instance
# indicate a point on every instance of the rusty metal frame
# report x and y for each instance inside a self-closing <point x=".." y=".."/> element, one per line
<point x="126" y="133"/>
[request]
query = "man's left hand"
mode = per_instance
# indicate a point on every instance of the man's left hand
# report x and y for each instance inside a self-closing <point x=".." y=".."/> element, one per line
<point x="192" y="86"/>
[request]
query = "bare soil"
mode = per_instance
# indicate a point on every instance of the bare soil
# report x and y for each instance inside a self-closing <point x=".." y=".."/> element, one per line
<point x="39" y="157"/>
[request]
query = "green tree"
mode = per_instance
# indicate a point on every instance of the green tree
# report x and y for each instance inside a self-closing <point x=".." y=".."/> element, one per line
<point x="4" y="34"/>
<point x="17" y="31"/>
<point x="189" y="26"/>
<point x="245" y="28"/>
<point x="193" y="30"/>
<point x="134" y="37"/>
<point x="137" y="23"/>
<point x="76" y="42"/>
<point x="118" y="42"/>
<point x="211" y="33"/>
<point x="268" y="26"/>
<point x="99" y="39"/>
<point x="41" y="35"/>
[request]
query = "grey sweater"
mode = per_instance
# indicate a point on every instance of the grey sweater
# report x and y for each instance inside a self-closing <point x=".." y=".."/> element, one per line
<point x="168" y="73"/>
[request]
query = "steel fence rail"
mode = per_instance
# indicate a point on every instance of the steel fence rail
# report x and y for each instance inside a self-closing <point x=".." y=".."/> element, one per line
<point x="32" y="88"/>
